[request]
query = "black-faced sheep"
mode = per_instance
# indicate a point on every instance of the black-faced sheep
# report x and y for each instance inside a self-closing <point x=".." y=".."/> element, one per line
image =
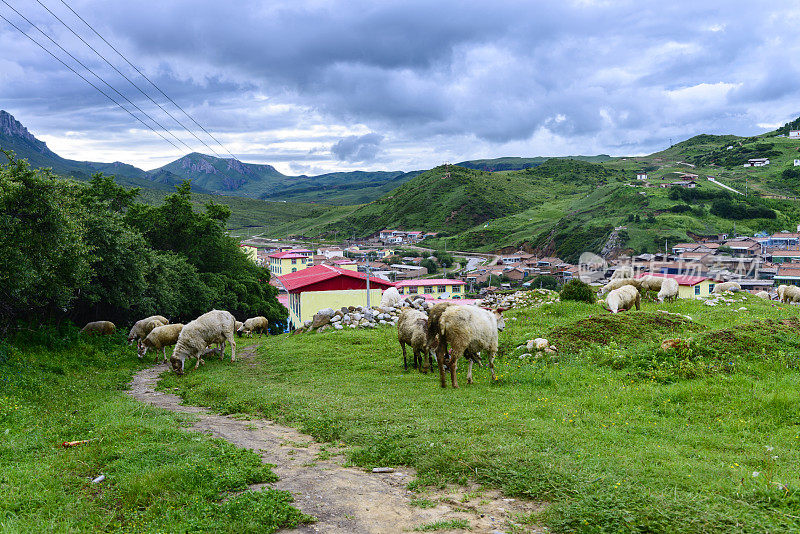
<point x="254" y="324"/>
<point x="99" y="328"/>
<point x="160" y="337"/>
<point x="727" y="286"/>
<point x="464" y="330"/>
<point x="412" y="330"/>
<point x="141" y="328"/>
<point x="624" y="298"/>
<point x="215" y="326"/>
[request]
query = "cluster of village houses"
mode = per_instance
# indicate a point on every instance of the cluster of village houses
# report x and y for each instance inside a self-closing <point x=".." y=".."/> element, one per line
<point x="335" y="277"/>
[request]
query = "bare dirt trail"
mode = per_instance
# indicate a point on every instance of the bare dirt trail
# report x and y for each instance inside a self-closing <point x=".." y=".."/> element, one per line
<point x="344" y="500"/>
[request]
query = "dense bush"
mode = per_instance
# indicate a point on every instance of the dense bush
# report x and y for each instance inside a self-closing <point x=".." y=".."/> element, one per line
<point x="689" y="195"/>
<point x="86" y="251"/>
<point x="577" y="290"/>
<point x="430" y="265"/>
<point x="730" y="209"/>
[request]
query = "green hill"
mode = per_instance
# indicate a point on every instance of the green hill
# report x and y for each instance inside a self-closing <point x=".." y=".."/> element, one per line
<point x="517" y="164"/>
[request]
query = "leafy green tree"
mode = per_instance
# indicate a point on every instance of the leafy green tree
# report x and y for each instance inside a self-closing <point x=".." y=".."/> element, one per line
<point x="44" y="260"/>
<point x="544" y="281"/>
<point x="430" y="265"/>
<point x="577" y="290"/>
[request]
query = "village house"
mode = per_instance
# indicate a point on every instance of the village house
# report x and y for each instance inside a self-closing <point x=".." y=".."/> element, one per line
<point x="797" y="163"/>
<point x="794" y="134"/>
<point x="331" y="252"/>
<point x="289" y="261"/>
<point x="251" y="252"/>
<point x="757" y="162"/>
<point x="784" y="256"/>
<point x="409" y="271"/>
<point x="689" y="287"/>
<point x="327" y="286"/>
<point x="435" y="287"/>
<point x="641" y="175"/>
<point x="788" y="274"/>
<point x="783" y="240"/>
<point x="744" y="246"/>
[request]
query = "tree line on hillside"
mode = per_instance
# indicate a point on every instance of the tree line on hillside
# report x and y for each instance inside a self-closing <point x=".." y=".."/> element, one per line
<point x="723" y="204"/>
<point x="84" y="251"/>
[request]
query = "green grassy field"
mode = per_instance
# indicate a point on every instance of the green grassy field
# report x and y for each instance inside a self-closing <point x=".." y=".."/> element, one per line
<point x="614" y="433"/>
<point x="54" y="388"/>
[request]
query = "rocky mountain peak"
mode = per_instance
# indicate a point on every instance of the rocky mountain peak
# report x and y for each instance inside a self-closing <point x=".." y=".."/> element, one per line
<point x="11" y="127"/>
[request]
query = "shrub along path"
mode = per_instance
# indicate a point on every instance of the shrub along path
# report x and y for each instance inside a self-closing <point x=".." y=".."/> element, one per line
<point x="343" y="499"/>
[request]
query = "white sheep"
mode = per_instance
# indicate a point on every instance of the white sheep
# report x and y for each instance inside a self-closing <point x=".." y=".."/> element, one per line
<point x="254" y="324"/>
<point x="467" y="330"/>
<point x="238" y="327"/>
<point x="215" y="326"/>
<point x="412" y="330"/>
<point x="651" y="283"/>
<point x="789" y="293"/>
<point x="763" y="295"/>
<point x="160" y="337"/>
<point x="141" y="328"/>
<point x="669" y="290"/>
<point x="391" y="298"/>
<point x="618" y="283"/>
<point x="626" y="271"/>
<point x="99" y="328"/>
<point x="726" y="286"/>
<point x="622" y="299"/>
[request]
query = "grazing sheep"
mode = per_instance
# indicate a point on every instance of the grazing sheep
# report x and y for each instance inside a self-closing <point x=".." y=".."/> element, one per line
<point x="618" y="283"/>
<point x="160" y="337"/>
<point x="651" y="283"/>
<point x="215" y="326"/>
<point x="259" y="324"/>
<point x="238" y="327"/>
<point x="789" y="293"/>
<point x="727" y="286"/>
<point x="623" y="272"/>
<point x="143" y="327"/>
<point x="412" y="330"/>
<point x="466" y="330"/>
<point x="391" y="298"/>
<point x="763" y="295"/>
<point x="669" y="290"/>
<point x="99" y="328"/>
<point x="623" y="298"/>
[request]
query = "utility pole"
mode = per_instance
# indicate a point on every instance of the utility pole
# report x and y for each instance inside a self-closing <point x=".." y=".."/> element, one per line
<point x="368" y="303"/>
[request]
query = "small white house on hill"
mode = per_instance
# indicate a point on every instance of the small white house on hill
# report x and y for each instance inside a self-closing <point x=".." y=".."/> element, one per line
<point x="757" y="162"/>
<point x="794" y="134"/>
<point x="797" y="163"/>
<point x="641" y="176"/>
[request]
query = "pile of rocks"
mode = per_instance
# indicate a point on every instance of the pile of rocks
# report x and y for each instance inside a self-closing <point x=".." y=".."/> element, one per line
<point x="360" y="316"/>
<point x="521" y="299"/>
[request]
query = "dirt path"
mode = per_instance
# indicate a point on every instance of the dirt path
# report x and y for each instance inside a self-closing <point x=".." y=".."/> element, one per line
<point x="343" y="499"/>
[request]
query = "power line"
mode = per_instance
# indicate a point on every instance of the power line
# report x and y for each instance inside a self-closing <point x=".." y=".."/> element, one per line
<point x="148" y="79"/>
<point x="87" y="81"/>
<point x="126" y="78"/>
<point x="79" y="62"/>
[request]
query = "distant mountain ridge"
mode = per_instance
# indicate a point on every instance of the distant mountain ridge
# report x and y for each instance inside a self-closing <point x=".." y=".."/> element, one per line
<point x="210" y="174"/>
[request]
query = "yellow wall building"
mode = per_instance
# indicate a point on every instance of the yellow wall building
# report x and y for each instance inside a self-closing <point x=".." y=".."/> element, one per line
<point x="433" y="286"/>
<point x="690" y="287"/>
<point x="250" y="252"/>
<point x="282" y="263"/>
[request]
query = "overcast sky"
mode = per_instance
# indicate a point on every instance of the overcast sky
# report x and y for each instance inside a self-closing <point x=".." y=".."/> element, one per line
<point x="315" y="86"/>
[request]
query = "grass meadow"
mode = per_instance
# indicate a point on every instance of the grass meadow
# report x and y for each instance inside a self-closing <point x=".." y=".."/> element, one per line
<point x="55" y="388"/>
<point x="616" y="434"/>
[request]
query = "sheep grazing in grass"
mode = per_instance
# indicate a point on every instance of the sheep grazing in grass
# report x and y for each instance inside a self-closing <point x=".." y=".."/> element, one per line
<point x="215" y="326"/>
<point x="238" y="327"/>
<point x="727" y="286"/>
<point x="789" y="293"/>
<point x="669" y="290"/>
<point x="465" y="330"/>
<point x="254" y="324"/>
<point x="618" y="283"/>
<point x="99" y="328"/>
<point x="160" y="337"/>
<point x="412" y="330"/>
<point x="623" y="298"/>
<point x="764" y="295"/>
<point x="143" y="327"/>
<point x="651" y="283"/>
